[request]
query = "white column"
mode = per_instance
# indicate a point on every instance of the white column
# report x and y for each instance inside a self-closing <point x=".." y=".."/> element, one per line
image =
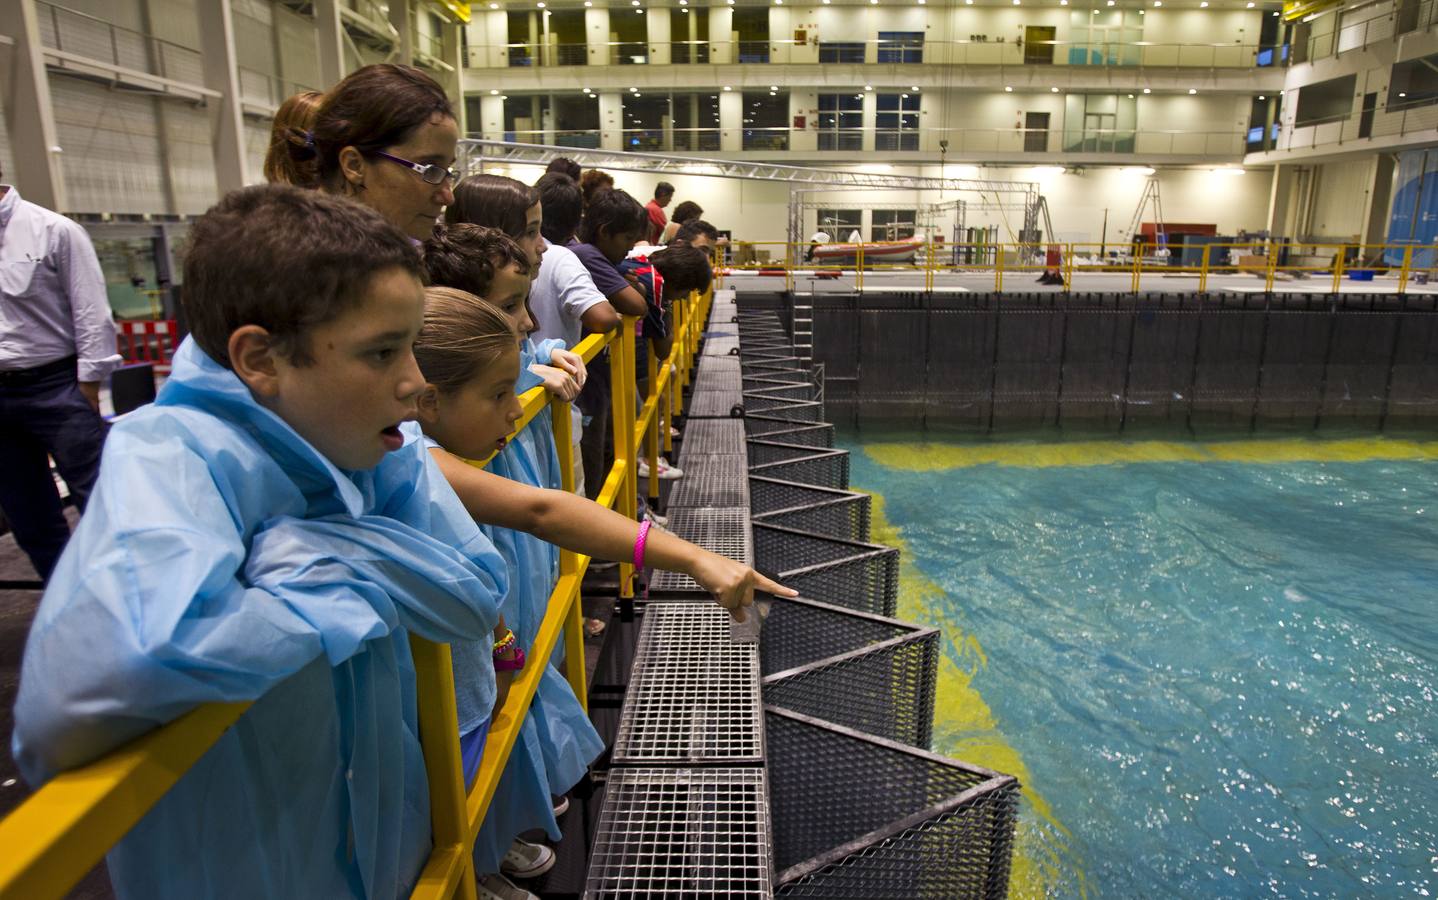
<point x="596" y="33"/>
<point x="491" y="114"/>
<point x="871" y="117"/>
<point x="611" y="121"/>
<point x="401" y="19"/>
<point x="227" y="129"/>
<point x="779" y="34"/>
<point x="731" y="121"/>
<point x="29" y="114"/>
<point x="803" y="103"/>
<point x="330" y="34"/>
<point x="721" y="34"/>
<point x="658" y="33"/>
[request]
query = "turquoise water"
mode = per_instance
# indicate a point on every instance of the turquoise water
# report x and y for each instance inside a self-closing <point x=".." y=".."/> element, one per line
<point x="1220" y="676"/>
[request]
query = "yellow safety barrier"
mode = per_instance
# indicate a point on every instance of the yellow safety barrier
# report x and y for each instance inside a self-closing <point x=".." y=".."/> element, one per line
<point x="1146" y="265"/>
<point x="67" y="826"/>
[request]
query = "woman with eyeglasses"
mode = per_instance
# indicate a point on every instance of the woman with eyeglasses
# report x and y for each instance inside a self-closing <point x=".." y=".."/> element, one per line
<point x="385" y="136"/>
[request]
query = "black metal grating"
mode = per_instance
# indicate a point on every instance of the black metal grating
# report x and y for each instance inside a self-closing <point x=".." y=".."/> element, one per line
<point x="772" y="495"/>
<point x="818" y="434"/>
<point x="720" y="404"/>
<point x="846" y="573"/>
<point x="720" y="364"/>
<point x="693" y="694"/>
<point x="769" y="450"/>
<point x="784" y="364"/>
<point x="783" y="392"/>
<point x="760" y="424"/>
<point x="766" y="378"/>
<point x="682" y="833"/>
<point x="721" y="344"/>
<point x="799" y="631"/>
<point x="773" y="405"/>
<point x="714" y="437"/>
<point x="885" y="689"/>
<point x="710" y="481"/>
<point x="826" y="468"/>
<point x="860" y="817"/>
<point x="846" y="518"/>
<point x="709" y="381"/>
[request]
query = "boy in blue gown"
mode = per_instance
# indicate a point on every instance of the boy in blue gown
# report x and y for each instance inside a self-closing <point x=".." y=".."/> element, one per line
<point x="268" y="530"/>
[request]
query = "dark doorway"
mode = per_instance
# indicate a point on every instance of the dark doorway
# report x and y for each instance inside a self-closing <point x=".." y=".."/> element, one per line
<point x="1036" y="132"/>
<point x="1365" y="118"/>
<point x="1039" y="45"/>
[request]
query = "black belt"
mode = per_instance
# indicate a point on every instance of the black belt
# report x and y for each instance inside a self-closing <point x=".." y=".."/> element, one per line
<point x="16" y="377"/>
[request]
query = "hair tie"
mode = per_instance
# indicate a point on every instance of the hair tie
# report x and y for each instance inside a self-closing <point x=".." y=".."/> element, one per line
<point x="309" y="137"/>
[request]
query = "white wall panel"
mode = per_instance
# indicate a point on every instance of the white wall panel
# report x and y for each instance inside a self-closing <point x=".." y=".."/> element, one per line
<point x="112" y="155"/>
<point x="192" y="164"/>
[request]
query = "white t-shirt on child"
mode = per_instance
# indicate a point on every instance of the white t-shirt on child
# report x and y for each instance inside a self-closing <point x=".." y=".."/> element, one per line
<point x="561" y="295"/>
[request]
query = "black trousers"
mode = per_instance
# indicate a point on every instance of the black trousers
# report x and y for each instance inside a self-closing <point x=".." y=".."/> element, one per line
<point x="39" y="418"/>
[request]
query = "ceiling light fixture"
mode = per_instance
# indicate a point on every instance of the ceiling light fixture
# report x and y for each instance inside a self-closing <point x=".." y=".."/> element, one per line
<point x="1193" y="90"/>
<point x="493" y="92"/>
<point x="1008" y="90"/>
<point x="1147" y="91"/>
<point x="1053" y="90"/>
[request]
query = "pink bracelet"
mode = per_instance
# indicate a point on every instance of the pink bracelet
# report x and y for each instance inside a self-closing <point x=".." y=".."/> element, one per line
<point x="639" y="541"/>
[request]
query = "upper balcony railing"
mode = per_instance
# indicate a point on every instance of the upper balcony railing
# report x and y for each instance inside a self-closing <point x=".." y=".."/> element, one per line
<point x="1135" y="54"/>
<point x="1151" y="143"/>
<point x="1383" y="22"/>
<point x="84" y="35"/>
<point x="1418" y="120"/>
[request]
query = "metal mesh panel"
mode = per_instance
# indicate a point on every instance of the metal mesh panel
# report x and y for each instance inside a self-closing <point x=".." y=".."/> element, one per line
<point x="775" y="351"/>
<point x="758" y="380"/>
<point x="710" y="481"/>
<point x="714" y="404"/>
<point x="714" y="437"/>
<point x="759" y="424"/>
<point x="692" y="693"/>
<point x="771" y="451"/>
<point x="886" y="689"/>
<point x="713" y="382"/>
<point x="825" y="468"/>
<point x="785" y="392"/>
<point x="817" y="435"/>
<point x="720" y="345"/>
<point x="767" y="495"/>
<point x="800" y="631"/>
<point x="860" y="817"/>
<point x="804" y="410"/>
<point x="785" y="364"/>
<point x="719" y="364"/>
<point x="682" y="833"/>
<point x="846" y="573"/>
<point x="847" y="518"/>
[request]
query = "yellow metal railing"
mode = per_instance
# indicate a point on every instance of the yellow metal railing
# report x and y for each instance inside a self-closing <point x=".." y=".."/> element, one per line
<point x="70" y="823"/>
<point x="1239" y="264"/>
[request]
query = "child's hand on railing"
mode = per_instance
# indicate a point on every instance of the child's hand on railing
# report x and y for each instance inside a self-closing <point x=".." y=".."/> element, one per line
<point x="557" y="382"/>
<point x="733" y="583"/>
<point x="570" y="362"/>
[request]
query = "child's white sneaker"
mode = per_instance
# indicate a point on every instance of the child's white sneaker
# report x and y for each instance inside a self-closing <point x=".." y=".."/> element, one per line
<point x="497" y="887"/>
<point x="526" y="860"/>
<point x="561" y="806"/>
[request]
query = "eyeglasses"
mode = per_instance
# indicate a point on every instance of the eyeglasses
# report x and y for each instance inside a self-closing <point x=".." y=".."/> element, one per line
<point x="431" y="174"/>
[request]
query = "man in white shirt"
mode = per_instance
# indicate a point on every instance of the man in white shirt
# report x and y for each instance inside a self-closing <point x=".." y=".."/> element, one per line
<point x="57" y="343"/>
<point x="566" y="304"/>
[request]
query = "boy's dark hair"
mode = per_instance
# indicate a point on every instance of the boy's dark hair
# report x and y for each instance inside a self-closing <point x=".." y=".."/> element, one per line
<point x="493" y="201"/>
<point x="285" y="259"/>
<point x="373" y="108"/>
<point x="594" y="181"/>
<point x="684" y="269"/>
<point x="663" y="188"/>
<point x="690" y="230"/>
<point x="614" y="211"/>
<point x="465" y="257"/>
<point x="687" y="211"/>
<point x="564" y="166"/>
<point x="563" y="207"/>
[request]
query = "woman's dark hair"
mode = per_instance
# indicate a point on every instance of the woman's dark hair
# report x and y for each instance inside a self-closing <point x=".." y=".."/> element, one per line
<point x="690" y="230"/>
<point x="563" y="207"/>
<point x="564" y="166"/>
<point x="287" y="260"/>
<point x="493" y="201"/>
<point x="684" y="268"/>
<point x="374" y="107"/>
<point x="466" y="257"/>
<point x="614" y="211"/>
<point x="687" y="211"/>
<point x="594" y="181"/>
<point x="290" y="158"/>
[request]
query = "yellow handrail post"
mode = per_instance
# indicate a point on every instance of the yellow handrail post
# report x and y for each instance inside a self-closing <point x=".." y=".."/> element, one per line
<point x="621" y="363"/>
<point x="998" y="268"/>
<point x="1407" y="267"/>
<point x="1203" y="270"/>
<point x="859" y="268"/>
<point x="1137" y="267"/>
<point x="1338" y="266"/>
<point x="651" y="434"/>
<point x="451" y="863"/>
<point x="929" y="266"/>
<point x="1068" y="267"/>
<point x="568" y="559"/>
<point x="1271" y="267"/>
<point x="788" y="266"/>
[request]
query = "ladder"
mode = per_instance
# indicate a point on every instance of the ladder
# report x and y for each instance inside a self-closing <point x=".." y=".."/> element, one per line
<point x="804" y="326"/>
<point x="1150" y="195"/>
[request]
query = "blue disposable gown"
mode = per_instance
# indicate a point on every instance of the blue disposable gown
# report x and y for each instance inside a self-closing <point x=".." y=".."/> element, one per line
<point x="556" y="741"/>
<point x="222" y="558"/>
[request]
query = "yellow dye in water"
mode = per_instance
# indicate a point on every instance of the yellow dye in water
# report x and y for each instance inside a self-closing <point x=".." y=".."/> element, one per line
<point x="964" y="728"/>
<point x="927" y="457"/>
